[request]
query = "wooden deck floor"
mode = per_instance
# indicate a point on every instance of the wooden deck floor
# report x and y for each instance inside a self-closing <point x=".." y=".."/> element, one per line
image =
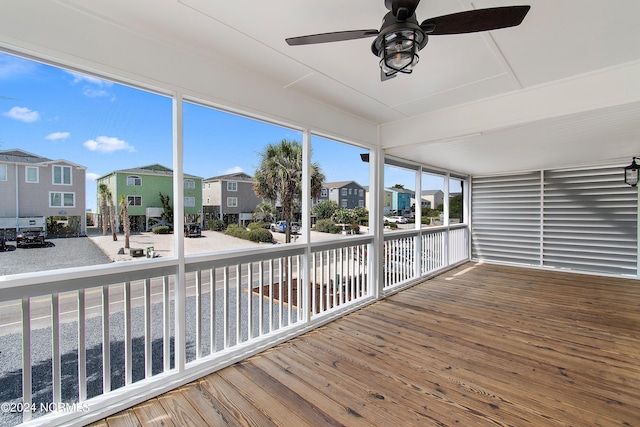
<point x="480" y="345"/>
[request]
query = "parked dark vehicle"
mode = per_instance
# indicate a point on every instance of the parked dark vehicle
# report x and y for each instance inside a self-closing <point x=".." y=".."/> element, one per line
<point x="192" y="230"/>
<point x="30" y="237"/>
<point x="3" y="243"/>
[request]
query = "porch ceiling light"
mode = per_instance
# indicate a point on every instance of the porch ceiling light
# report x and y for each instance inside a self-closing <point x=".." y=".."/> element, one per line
<point x="398" y="48"/>
<point x="631" y="173"/>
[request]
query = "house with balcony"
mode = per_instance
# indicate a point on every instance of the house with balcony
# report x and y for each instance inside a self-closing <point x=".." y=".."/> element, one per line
<point x="347" y="194"/>
<point x="522" y="312"/>
<point x="142" y="186"/>
<point x="39" y="192"/>
<point x="230" y="198"/>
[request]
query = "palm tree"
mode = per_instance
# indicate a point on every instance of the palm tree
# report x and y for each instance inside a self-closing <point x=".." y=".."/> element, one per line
<point x="265" y="211"/>
<point x="104" y="193"/>
<point x="124" y="213"/>
<point x="112" y="215"/>
<point x="279" y="177"/>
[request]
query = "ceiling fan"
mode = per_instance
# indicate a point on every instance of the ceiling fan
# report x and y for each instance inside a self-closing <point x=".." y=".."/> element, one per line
<point x="401" y="37"/>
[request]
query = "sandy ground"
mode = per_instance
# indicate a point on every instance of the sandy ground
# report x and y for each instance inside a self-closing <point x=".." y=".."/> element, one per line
<point x="163" y="244"/>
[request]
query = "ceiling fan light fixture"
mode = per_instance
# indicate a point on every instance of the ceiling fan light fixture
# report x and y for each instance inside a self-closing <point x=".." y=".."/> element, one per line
<point x="398" y="50"/>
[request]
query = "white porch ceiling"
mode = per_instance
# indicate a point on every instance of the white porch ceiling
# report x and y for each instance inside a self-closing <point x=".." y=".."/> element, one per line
<point x="561" y="89"/>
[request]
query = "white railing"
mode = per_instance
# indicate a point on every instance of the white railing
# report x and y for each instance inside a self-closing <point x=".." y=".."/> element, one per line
<point x="436" y="248"/>
<point x="90" y="341"/>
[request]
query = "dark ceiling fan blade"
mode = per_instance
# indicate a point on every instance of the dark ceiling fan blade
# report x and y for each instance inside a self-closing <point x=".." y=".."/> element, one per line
<point x="476" y="20"/>
<point x="331" y="37"/>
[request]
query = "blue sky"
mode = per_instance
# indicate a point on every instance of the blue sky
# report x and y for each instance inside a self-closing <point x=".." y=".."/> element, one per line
<point x="106" y="126"/>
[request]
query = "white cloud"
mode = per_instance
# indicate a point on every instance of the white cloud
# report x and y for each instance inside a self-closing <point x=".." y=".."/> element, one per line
<point x="90" y="176"/>
<point x="57" y="135"/>
<point x="11" y="66"/>
<point x="22" y="114"/>
<point x="235" y="169"/>
<point x="77" y="78"/>
<point x="90" y="92"/>
<point x="108" y="144"/>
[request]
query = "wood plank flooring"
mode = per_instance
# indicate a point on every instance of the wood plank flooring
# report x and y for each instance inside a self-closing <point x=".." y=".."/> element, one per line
<point x="481" y="345"/>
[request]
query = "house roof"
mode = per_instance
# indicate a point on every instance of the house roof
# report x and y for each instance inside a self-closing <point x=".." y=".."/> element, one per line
<point x="24" y="157"/>
<point x="155" y="169"/>
<point x="339" y="184"/>
<point x="237" y="176"/>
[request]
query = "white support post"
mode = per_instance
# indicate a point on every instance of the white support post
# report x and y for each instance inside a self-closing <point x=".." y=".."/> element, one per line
<point x="376" y="210"/>
<point x="445" y="217"/>
<point x="417" y="272"/>
<point x="303" y="281"/>
<point x="178" y="221"/>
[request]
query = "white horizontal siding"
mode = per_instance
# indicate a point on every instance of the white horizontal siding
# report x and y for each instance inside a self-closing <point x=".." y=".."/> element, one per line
<point x="578" y="219"/>
<point x="506" y="218"/>
<point x="590" y="221"/>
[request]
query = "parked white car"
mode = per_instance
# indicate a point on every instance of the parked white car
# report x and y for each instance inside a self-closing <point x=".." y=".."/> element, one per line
<point x="396" y="219"/>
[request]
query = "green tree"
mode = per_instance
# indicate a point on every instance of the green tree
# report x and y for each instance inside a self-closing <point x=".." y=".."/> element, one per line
<point x="264" y="212"/>
<point x="124" y="213"/>
<point x="325" y="209"/>
<point x="167" y="209"/>
<point x="279" y="177"/>
<point x="345" y="216"/>
<point x="104" y="193"/>
<point x="112" y="215"/>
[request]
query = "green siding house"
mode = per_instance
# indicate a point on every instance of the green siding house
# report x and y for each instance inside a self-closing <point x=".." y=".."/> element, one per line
<point x="142" y="187"/>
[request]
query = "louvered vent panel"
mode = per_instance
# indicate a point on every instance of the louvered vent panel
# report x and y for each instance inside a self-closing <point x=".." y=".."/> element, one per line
<point x="506" y="218"/>
<point x="590" y="221"/>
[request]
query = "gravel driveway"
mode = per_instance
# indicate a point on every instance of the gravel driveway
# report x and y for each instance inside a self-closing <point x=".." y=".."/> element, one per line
<point x="57" y="253"/>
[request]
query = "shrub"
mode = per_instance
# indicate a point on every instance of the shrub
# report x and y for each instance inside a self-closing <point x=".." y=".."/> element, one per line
<point x="237" y="231"/>
<point x="259" y="225"/>
<point x="328" y="226"/>
<point x="216" y="224"/>
<point x="258" y="234"/>
<point x="161" y="229"/>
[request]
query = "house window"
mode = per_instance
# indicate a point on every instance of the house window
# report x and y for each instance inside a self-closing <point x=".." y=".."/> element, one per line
<point x="134" y="200"/>
<point x="343" y="192"/>
<point x="361" y="191"/>
<point x="343" y="203"/>
<point x="189" y="202"/>
<point x="32" y="174"/>
<point x="232" y="202"/>
<point x="134" y="180"/>
<point x="57" y="200"/>
<point x="189" y="183"/>
<point x="232" y="186"/>
<point x="62" y="175"/>
<point x="3" y="172"/>
<point x="350" y="191"/>
<point x="324" y="192"/>
<point x="361" y="203"/>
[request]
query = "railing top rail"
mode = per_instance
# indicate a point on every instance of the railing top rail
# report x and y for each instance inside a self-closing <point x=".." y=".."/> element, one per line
<point x="324" y="245"/>
<point x="71" y="279"/>
<point x="221" y="259"/>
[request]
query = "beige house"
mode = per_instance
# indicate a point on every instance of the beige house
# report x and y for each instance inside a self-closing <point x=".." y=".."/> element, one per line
<point x="40" y="192"/>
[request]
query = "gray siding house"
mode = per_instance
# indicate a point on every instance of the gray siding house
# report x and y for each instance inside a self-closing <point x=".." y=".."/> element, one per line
<point x="347" y="194"/>
<point x="43" y="193"/>
<point x="230" y="198"/>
